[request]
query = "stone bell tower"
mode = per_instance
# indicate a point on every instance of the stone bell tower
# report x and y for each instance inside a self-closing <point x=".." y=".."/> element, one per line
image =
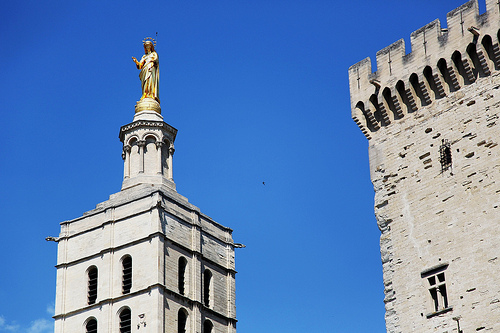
<point x="148" y="147"/>
<point x="146" y="260"/>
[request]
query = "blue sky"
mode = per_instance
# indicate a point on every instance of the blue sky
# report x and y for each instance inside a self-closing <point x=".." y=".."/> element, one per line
<point x="259" y="93"/>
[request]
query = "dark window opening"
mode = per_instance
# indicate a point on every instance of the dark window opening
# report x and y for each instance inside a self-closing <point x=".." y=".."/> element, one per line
<point x="445" y="155"/>
<point x="91" y="326"/>
<point x="127" y="274"/>
<point x="92" y="287"/>
<point x="207" y="277"/>
<point x="125" y="321"/>
<point x="207" y="326"/>
<point x="181" y="321"/>
<point x="182" y="275"/>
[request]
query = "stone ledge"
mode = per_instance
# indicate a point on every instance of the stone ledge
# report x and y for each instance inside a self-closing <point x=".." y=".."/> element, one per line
<point x="440" y="312"/>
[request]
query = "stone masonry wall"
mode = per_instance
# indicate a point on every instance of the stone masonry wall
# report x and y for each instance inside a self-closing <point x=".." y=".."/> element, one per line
<point x="155" y="226"/>
<point x="432" y="120"/>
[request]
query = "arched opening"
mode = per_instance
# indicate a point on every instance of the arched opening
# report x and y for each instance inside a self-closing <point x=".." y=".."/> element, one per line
<point x="125" y="321"/>
<point x="207" y="326"/>
<point x="92" y="285"/>
<point x="207" y="281"/>
<point x="488" y="46"/>
<point x="91" y="326"/>
<point x="134" y="160"/>
<point x="165" y="155"/>
<point x="434" y="82"/>
<point x="448" y="75"/>
<point x="406" y="97"/>
<point x="392" y="104"/>
<point x="182" y="321"/>
<point x="368" y="117"/>
<point x="380" y="113"/>
<point x="150" y="156"/>
<point x="417" y="89"/>
<point x="126" y="274"/>
<point x="479" y="65"/>
<point x="182" y="275"/>
<point x="464" y="73"/>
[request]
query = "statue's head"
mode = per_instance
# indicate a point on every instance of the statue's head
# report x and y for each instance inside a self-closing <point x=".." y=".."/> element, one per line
<point x="149" y="44"/>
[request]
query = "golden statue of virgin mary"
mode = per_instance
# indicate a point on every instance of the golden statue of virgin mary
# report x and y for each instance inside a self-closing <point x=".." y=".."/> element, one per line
<point x="150" y="70"/>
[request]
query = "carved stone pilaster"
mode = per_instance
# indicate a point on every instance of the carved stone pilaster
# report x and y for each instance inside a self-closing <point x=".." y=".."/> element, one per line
<point x="159" y="160"/>
<point x="141" y="144"/>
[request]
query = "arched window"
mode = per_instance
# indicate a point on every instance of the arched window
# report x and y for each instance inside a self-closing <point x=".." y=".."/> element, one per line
<point x="181" y="321"/>
<point x="182" y="275"/>
<point x="207" y="279"/>
<point x="91" y="326"/>
<point x="127" y="274"/>
<point x="125" y="321"/>
<point x="207" y="326"/>
<point x="92" y="285"/>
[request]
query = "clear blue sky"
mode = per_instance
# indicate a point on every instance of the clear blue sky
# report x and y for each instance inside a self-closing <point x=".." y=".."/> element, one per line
<point x="259" y="93"/>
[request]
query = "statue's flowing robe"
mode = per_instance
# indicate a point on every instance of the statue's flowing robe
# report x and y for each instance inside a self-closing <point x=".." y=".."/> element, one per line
<point x="150" y="76"/>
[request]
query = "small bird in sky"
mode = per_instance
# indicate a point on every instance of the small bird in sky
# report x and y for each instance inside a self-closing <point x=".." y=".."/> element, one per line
<point x="263" y="183"/>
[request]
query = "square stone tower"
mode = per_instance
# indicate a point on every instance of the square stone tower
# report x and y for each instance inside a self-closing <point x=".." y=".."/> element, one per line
<point x="146" y="260"/>
<point x="432" y="121"/>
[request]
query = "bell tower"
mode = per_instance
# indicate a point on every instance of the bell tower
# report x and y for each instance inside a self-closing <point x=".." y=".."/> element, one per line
<point x="148" y="148"/>
<point x="146" y="260"/>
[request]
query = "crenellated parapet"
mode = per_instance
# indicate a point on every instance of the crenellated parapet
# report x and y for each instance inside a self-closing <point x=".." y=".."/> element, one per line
<point x="441" y="62"/>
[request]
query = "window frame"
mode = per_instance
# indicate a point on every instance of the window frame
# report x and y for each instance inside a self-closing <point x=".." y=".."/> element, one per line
<point x="92" y="285"/>
<point x="435" y="280"/>
<point x="127" y="282"/>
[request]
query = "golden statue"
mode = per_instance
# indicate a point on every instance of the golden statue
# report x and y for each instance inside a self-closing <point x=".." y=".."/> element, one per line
<point x="150" y="70"/>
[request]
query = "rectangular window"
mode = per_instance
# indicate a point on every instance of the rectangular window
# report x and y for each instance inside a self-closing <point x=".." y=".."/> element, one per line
<point x="436" y="284"/>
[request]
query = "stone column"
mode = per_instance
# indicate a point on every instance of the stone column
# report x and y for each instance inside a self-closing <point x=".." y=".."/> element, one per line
<point x="126" y="161"/>
<point x="171" y="151"/>
<point x="159" y="146"/>
<point x="141" y="144"/>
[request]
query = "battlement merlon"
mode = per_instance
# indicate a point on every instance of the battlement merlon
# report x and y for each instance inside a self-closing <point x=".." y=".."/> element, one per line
<point x="428" y="45"/>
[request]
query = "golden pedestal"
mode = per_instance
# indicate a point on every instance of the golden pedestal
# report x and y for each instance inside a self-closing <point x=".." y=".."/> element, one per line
<point x="147" y="104"/>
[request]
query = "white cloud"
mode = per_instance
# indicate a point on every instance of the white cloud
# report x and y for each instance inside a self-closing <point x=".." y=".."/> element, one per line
<point x="4" y="327"/>
<point x="37" y="326"/>
<point x="41" y="326"/>
<point x="51" y="309"/>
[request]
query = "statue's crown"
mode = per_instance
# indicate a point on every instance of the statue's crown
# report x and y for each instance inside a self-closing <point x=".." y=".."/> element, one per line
<point x="149" y="39"/>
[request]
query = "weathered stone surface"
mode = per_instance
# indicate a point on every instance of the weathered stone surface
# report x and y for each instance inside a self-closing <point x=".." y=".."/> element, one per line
<point x="431" y="212"/>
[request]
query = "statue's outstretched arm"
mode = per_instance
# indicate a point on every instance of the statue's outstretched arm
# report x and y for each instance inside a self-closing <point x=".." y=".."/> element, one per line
<point x="137" y="63"/>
